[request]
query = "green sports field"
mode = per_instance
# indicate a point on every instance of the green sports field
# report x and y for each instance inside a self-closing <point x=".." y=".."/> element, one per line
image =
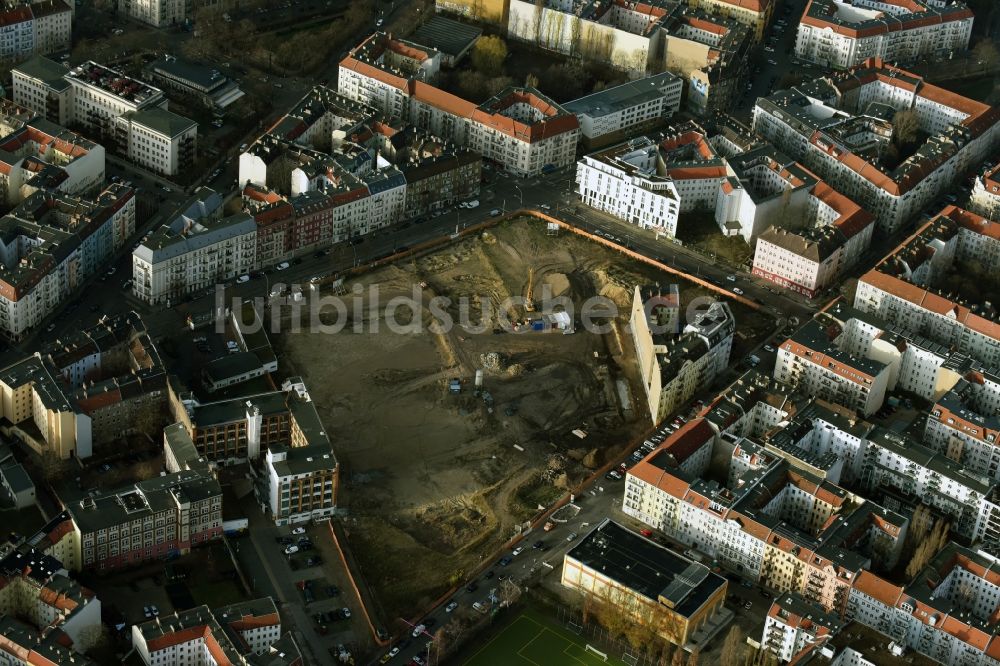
<point x="531" y="640"/>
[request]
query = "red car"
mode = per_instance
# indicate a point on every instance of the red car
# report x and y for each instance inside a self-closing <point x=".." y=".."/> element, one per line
<point x="646" y="533"/>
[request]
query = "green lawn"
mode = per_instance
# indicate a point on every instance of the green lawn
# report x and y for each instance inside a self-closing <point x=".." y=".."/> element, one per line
<point x="531" y="640"/>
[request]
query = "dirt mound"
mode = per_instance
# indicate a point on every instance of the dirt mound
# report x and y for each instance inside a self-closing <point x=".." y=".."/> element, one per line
<point x="557" y="283"/>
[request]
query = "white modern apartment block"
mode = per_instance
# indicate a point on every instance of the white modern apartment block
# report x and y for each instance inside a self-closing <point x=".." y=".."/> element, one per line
<point x="617" y="113"/>
<point x="627" y="182"/>
<point x="812" y="259"/>
<point x="766" y="188"/>
<point x="158" y="13"/>
<point x="518" y="128"/>
<point x="201" y="636"/>
<point x="159" y="140"/>
<point x="813" y="360"/>
<point x="836" y="125"/>
<point x="900" y="289"/>
<point x="624" y="35"/>
<point x="129" y="115"/>
<point x="194" y="251"/>
<point x="985" y="199"/>
<point x="44" y="26"/>
<point x="845" y="33"/>
<point x="649" y="180"/>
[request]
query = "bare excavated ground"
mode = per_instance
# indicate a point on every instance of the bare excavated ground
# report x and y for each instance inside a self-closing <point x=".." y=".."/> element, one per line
<point x="433" y="481"/>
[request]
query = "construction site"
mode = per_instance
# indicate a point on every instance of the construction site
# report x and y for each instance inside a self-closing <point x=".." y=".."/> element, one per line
<point x="451" y="438"/>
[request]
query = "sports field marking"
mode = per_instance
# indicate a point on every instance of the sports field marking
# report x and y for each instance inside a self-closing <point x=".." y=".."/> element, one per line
<point x="527" y="641"/>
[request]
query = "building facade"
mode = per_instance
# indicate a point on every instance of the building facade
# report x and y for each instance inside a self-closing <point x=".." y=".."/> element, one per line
<point x="834" y="33"/>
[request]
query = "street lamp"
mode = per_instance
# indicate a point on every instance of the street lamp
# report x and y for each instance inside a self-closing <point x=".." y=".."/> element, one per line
<point x="520" y="195"/>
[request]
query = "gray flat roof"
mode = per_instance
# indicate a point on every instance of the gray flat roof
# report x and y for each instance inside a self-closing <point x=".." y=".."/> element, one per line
<point x="612" y="100"/>
<point x="163" y="121"/>
<point x="445" y="35"/>
<point x="43" y="69"/>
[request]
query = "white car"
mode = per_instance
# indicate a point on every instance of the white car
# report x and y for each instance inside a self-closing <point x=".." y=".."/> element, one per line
<point x="769" y="49"/>
<point x="419" y="629"/>
<point x="545" y="206"/>
<point x="769" y="348"/>
<point x="345" y="612"/>
<point x="282" y="266"/>
<point x="450" y="607"/>
<point x="243" y="278"/>
<point x="572" y="535"/>
<point x="517" y="551"/>
<point x="772" y="61"/>
<point x="731" y="278"/>
<point x="299" y="530"/>
<point x="737" y="291"/>
<point x="291" y="550"/>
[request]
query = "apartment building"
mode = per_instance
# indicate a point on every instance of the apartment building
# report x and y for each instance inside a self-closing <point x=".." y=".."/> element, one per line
<point x="947" y="613"/>
<point x="42" y="26"/>
<point x="813" y="361"/>
<point x="196" y="250"/>
<point x="959" y="426"/>
<point x="903" y="287"/>
<point x="158" y="13"/>
<point x="794" y="625"/>
<point x="437" y="174"/>
<point x="710" y="53"/>
<point x="159" y="140"/>
<point x="653" y="586"/>
<point x="493" y="12"/>
<point x="755" y="14"/>
<point x="693" y="163"/>
<point x="279" y="431"/>
<point x="772" y="522"/>
<point x="40" y="84"/>
<point x="624" y="35"/>
<point x="626" y="110"/>
<point x="126" y="114"/>
<point x="519" y="127"/>
<point x="36" y="154"/>
<point x="628" y="181"/>
<point x="153" y="519"/>
<point x="52" y="244"/>
<point x="836" y="126"/>
<point x="985" y="199"/>
<point x="811" y="256"/>
<point x="674" y="365"/>
<point x="845" y="33"/>
<point x="766" y="188"/>
<point x="201" y="636"/>
<point x="47" y="617"/>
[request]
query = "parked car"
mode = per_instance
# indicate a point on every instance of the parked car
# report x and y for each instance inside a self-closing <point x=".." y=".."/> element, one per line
<point x="450" y="607"/>
<point x="345" y="613"/>
<point x="504" y="561"/>
<point x="243" y="278"/>
<point x="538" y="545"/>
<point x="495" y="212"/>
<point x="282" y="266"/>
<point x="517" y="551"/>
<point x="737" y="291"/>
<point x="419" y="629"/>
<point x="291" y="550"/>
<point x="769" y="348"/>
<point x="299" y="530"/>
<point x="572" y="535"/>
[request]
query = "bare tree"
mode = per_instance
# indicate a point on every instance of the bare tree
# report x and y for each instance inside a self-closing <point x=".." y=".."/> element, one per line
<point x="734" y="647"/>
<point x="905" y="127"/>
<point x="488" y="55"/>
